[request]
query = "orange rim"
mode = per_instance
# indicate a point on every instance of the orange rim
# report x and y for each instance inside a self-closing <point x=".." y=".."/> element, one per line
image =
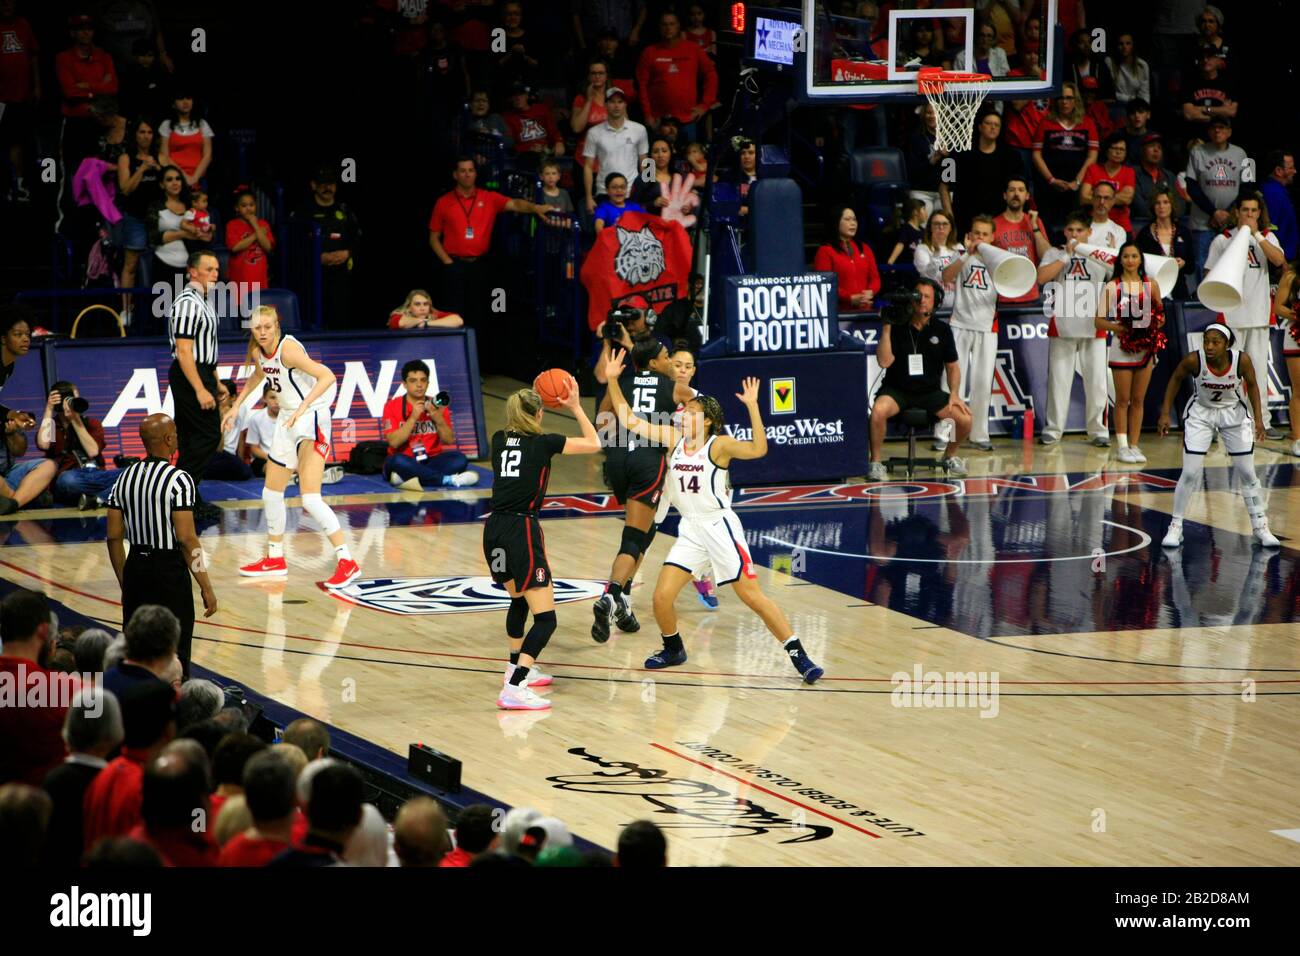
<point x="932" y="79"/>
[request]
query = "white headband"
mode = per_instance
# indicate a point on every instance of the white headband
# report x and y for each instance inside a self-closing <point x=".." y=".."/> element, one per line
<point x="1222" y="330"/>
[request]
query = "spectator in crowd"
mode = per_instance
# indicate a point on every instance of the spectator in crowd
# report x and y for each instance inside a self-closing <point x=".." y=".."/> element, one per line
<point x="923" y="46"/>
<point x="670" y="130"/>
<point x="310" y="736"/>
<point x="92" y="731"/>
<point x="85" y="72"/>
<point x="745" y="174"/>
<point x="229" y="464"/>
<point x="21" y="482"/>
<point x="250" y="241"/>
<point x="270" y="794"/>
<point x="989" y="57"/>
<point x="853" y="262"/>
<point x="620" y="59"/>
<point x="936" y="251"/>
<point x="122" y="853"/>
<point x="173" y="793"/>
<point x="1214" y="175"/>
<point x="923" y="160"/>
<point x="460" y="234"/>
<point x="1279" y="167"/>
<point x="199" y="700"/>
<point x="675" y="76"/>
<point x="1285" y="308"/>
<point x="1151" y="177"/>
<point x="228" y="763"/>
<point x="169" y="230"/>
<point x="641" y="846"/>
<point x="185" y="139"/>
<point x="24" y="817"/>
<point x="420" y="833"/>
<point x="31" y="738"/>
<point x="368" y="845"/>
<point x="476" y="834"/>
<point x="552" y="195"/>
<point x="589" y="105"/>
<point x="260" y="430"/>
<point x="340" y="233"/>
<point x="127" y="27"/>
<point x="233" y="819"/>
<point x="1083" y="63"/>
<point x="20" y="91"/>
<point x="596" y="19"/>
<point x="910" y="230"/>
<point x="681" y="322"/>
<point x="980" y="174"/>
<point x="143" y="82"/>
<point x="112" y="129"/>
<point x="151" y="638"/>
<point x="1020" y="231"/>
<point x="421" y="442"/>
<point x="616" y="202"/>
<point x="198" y="216"/>
<point x="1113" y="170"/>
<point x="619" y="145"/>
<point x="1130" y="75"/>
<point x="1209" y="95"/>
<point x="75" y="444"/>
<point x="652" y="195"/>
<point x="1065" y="145"/>
<point x="1104" y="232"/>
<point x="482" y="120"/>
<point x="112" y="806"/>
<point x="1095" y="108"/>
<point x="444" y="80"/>
<point x="333" y="814"/>
<point x="518" y="65"/>
<point x="1137" y="116"/>
<point x="698" y="32"/>
<point x="1162" y="236"/>
<point x="417" y="312"/>
<point x="139" y="187"/>
<point x="532" y="126"/>
<point x="1021" y="120"/>
<point x="1210" y="43"/>
<point x="92" y="644"/>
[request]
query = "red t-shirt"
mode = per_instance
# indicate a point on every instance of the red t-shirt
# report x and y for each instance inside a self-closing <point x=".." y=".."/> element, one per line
<point x="96" y="71"/>
<point x="112" y="802"/>
<point x="1019" y="126"/>
<point x="1057" y="143"/>
<point x="703" y="40"/>
<point x="669" y="77"/>
<point x="179" y="847"/>
<point x="597" y="116"/>
<point x="1125" y="177"/>
<point x="395" y="318"/>
<point x="31" y="738"/>
<point x="857" y="271"/>
<point x="1016" y="237"/>
<point x="244" y="851"/>
<point x="457" y="858"/>
<point x="424" y="434"/>
<point x="534" y="125"/>
<point x="251" y="264"/>
<point x="18" y="49"/>
<point x="65" y="458"/>
<point x="465" y="222"/>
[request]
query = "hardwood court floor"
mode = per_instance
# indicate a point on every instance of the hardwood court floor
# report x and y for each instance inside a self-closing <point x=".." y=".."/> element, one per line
<point x="1167" y="739"/>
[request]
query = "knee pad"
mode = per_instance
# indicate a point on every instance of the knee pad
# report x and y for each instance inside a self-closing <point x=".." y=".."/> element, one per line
<point x="633" y="542"/>
<point x="647" y="537"/>
<point x="273" y="505"/>
<point x="322" y="513"/>
<point x="516" y="618"/>
<point x="539" y="634"/>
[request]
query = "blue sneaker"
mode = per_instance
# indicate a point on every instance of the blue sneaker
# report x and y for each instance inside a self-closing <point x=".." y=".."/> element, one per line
<point x="666" y="658"/>
<point x="708" y="594"/>
<point x="804" y="665"/>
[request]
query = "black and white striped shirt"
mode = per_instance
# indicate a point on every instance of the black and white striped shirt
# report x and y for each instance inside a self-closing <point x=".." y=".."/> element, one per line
<point x="147" y="493"/>
<point x="192" y="318"/>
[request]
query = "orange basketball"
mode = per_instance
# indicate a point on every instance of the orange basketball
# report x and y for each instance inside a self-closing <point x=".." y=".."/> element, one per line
<point x="553" y="386"/>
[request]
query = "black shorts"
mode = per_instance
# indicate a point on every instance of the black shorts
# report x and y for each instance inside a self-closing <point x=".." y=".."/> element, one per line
<point x="636" y="475"/>
<point x="932" y="402"/>
<point x="515" y="550"/>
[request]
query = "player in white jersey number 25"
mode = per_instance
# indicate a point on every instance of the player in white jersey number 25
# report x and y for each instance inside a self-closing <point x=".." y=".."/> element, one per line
<point x="709" y="533"/>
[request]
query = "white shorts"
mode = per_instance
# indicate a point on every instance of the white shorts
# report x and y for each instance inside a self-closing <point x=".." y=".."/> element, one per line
<point x="313" y="425"/>
<point x="1235" y="427"/>
<point x="717" y="541"/>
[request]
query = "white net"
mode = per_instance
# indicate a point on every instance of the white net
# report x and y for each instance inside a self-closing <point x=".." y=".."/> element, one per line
<point x="955" y="104"/>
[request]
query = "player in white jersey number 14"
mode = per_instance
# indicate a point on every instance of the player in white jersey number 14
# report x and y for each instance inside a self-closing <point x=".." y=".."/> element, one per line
<point x="709" y="533"/>
<point x="301" y="443"/>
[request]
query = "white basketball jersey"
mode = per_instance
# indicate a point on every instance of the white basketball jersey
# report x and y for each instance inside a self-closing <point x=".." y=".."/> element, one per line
<point x="1219" y="391"/>
<point x="292" y="385"/>
<point x="699" y="488"/>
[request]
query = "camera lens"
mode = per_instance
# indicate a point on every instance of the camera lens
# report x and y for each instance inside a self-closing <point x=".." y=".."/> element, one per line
<point x="80" y="405"/>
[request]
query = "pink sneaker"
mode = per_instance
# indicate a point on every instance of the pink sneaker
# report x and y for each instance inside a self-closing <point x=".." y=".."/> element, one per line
<point x="708" y="594"/>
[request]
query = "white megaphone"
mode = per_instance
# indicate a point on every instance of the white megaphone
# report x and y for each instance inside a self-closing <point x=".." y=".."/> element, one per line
<point x="1221" y="289"/>
<point x="1013" y="274"/>
<point x="1162" y="270"/>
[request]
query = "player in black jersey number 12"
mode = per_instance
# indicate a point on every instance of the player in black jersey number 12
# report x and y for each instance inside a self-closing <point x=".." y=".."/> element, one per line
<point x="512" y="537"/>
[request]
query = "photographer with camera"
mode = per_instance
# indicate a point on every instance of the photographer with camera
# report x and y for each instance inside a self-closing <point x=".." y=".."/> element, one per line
<point x="629" y="322"/>
<point x="421" y="443"/>
<point x="75" y="443"/>
<point x="915" y="350"/>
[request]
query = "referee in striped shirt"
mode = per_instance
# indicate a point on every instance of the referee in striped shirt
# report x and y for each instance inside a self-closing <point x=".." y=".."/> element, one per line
<point x="193" y="375"/>
<point x="151" y="506"/>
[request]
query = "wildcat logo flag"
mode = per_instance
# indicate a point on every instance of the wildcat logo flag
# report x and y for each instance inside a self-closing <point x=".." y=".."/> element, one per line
<point x="640" y="255"/>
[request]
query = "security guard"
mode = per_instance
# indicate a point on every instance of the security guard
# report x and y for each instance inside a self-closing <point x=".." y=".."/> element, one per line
<point x="339" y="235"/>
<point x="151" y="505"/>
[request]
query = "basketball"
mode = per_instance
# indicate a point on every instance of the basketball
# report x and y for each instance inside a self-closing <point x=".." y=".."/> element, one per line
<point x="553" y="386"/>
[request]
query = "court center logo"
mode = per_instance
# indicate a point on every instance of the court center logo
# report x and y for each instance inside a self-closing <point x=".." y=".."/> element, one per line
<point x="783" y="396"/>
<point x="453" y="595"/>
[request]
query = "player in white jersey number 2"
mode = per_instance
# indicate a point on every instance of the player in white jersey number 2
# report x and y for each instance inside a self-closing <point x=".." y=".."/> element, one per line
<point x="709" y="533"/>
<point x="1219" y="375"/>
<point x="301" y="443"/>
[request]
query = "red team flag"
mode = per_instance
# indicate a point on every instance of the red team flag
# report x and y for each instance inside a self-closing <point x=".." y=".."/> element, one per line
<point x="640" y="255"/>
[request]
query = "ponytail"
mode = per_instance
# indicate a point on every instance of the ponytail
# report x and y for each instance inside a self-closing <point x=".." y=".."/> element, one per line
<point x="521" y="412"/>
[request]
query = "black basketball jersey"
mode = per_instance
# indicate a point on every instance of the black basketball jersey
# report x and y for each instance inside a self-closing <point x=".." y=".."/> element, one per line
<point x="650" y="396"/>
<point x="521" y="467"/>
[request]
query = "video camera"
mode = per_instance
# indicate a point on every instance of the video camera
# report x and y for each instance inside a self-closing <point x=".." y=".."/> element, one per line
<point x="898" y="306"/>
<point x="621" y="316"/>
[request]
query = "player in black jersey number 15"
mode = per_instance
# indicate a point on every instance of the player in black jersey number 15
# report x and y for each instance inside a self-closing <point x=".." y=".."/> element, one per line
<point x="513" y="545"/>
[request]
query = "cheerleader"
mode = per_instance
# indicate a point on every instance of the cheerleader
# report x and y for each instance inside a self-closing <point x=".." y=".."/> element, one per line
<point x="1219" y="375"/>
<point x="710" y="534"/>
<point x="1130" y="309"/>
<point x="1285" y="306"/>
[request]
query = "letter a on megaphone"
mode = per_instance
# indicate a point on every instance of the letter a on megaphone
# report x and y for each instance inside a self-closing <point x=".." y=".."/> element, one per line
<point x="1013" y="275"/>
<point x="1221" y="290"/>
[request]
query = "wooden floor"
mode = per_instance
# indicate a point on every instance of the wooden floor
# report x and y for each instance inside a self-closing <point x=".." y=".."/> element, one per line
<point x="1164" y="745"/>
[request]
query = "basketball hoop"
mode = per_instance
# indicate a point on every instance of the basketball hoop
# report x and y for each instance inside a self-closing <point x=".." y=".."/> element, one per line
<point x="956" y="98"/>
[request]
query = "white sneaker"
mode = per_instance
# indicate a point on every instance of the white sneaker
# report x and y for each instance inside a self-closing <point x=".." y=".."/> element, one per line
<point x="939" y="445"/>
<point x="1136" y="455"/>
<point x="536" y="677"/>
<point x="1126" y="455"/>
<point x="954" y="466"/>
<point x="394" y="479"/>
<point x="1266" y="537"/>
<point x="332" y="475"/>
<point x="1295" y="449"/>
<point x="877" y="471"/>
<point x="521" y="698"/>
<point x="1174" y="536"/>
<point x="464" y="479"/>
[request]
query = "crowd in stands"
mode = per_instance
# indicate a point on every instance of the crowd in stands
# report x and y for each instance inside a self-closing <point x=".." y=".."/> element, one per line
<point x="120" y="764"/>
